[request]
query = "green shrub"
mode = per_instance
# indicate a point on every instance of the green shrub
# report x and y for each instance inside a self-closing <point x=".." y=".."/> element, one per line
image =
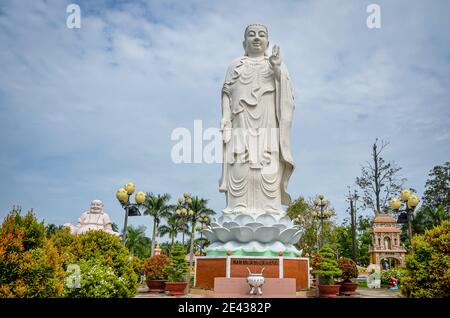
<point x="30" y="265"/>
<point x="427" y="273"/>
<point x="98" y="281"/>
<point x="177" y="267"/>
<point x="138" y="267"/>
<point x="327" y="266"/>
<point x="106" y="251"/>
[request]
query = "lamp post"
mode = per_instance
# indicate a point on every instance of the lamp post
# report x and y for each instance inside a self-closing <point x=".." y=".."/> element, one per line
<point x="131" y="209"/>
<point x="321" y="215"/>
<point x="184" y="209"/>
<point x="410" y="202"/>
<point x="204" y="220"/>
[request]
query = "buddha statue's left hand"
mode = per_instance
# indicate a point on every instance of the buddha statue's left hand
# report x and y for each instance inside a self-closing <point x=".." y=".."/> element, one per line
<point x="275" y="58"/>
<point x="275" y="61"/>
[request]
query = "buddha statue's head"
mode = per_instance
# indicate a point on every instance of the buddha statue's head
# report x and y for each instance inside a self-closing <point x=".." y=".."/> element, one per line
<point x="256" y="40"/>
<point x="96" y="206"/>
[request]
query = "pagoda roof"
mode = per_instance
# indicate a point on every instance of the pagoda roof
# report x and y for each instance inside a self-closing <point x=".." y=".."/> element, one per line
<point x="384" y="218"/>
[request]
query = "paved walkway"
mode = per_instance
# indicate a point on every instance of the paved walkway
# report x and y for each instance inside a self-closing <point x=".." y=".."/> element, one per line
<point x="196" y="293"/>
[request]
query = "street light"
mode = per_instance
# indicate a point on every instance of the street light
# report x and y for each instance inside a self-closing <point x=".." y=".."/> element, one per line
<point x="204" y="220"/>
<point x="131" y="209"/>
<point x="410" y="202"/>
<point x="322" y="215"/>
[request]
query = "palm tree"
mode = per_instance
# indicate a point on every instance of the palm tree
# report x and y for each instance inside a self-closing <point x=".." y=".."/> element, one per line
<point x="199" y="207"/>
<point x="158" y="207"/>
<point x="136" y="241"/>
<point x="175" y="225"/>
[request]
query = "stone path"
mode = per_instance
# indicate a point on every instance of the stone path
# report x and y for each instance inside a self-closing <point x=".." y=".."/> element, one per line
<point x="360" y="293"/>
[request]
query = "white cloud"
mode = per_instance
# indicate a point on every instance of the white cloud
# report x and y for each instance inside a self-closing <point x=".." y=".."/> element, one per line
<point x="86" y="110"/>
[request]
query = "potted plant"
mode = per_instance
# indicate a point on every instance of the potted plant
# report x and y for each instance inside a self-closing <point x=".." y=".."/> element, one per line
<point x="327" y="269"/>
<point x="154" y="275"/>
<point x="176" y="270"/>
<point x="349" y="271"/>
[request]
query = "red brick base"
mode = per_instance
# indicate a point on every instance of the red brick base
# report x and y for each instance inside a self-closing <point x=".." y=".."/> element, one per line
<point x="207" y="268"/>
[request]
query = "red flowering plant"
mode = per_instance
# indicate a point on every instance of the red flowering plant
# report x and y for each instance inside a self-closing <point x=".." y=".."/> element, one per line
<point x="153" y="267"/>
<point x="316" y="258"/>
<point x="348" y="268"/>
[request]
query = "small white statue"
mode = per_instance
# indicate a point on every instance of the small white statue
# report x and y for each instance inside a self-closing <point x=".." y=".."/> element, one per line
<point x="92" y="220"/>
<point x="256" y="281"/>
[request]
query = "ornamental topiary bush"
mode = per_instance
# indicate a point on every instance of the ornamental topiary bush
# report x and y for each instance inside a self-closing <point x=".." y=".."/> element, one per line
<point x="154" y="267"/>
<point x="98" y="281"/>
<point x="177" y="267"/>
<point x="348" y="268"/>
<point x="107" y="250"/>
<point x="327" y="267"/>
<point x="30" y="265"/>
<point x="427" y="272"/>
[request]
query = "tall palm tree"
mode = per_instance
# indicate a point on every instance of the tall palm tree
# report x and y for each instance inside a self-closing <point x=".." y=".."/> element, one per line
<point x="174" y="226"/>
<point x="136" y="241"/>
<point x="199" y="206"/>
<point x="158" y="207"/>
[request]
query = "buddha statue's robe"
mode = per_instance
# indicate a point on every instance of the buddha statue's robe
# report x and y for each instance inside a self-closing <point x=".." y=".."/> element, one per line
<point x="257" y="160"/>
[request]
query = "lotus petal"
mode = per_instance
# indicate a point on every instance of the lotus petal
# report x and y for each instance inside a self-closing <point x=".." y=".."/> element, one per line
<point x="225" y="218"/>
<point x="243" y="219"/>
<point x="294" y="239"/>
<point x="254" y="225"/>
<point x="266" y="234"/>
<point x="223" y="234"/>
<point x="266" y="219"/>
<point x="242" y="234"/>
<point x="253" y="247"/>
<point x="277" y="247"/>
<point x="286" y="221"/>
<point x="214" y="224"/>
<point x="229" y="225"/>
<point x="286" y="235"/>
<point x="210" y="236"/>
<point x="280" y="226"/>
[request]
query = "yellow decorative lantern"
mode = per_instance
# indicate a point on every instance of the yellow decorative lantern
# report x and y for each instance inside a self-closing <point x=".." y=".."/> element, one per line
<point x="180" y="200"/>
<point x="191" y="213"/>
<point x="186" y="194"/>
<point x="140" y="197"/>
<point x="184" y="211"/>
<point x="321" y="196"/>
<point x="395" y="204"/>
<point x="189" y="201"/>
<point x="122" y="195"/>
<point x="317" y="202"/>
<point x="314" y="213"/>
<point x="405" y="194"/>
<point x="413" y="201"/>
<point x="178" y="212"/>
<point x="130" y="187"/>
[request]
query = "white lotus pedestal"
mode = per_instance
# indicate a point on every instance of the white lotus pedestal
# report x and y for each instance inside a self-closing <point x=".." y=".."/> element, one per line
<point x="208" y="268"/>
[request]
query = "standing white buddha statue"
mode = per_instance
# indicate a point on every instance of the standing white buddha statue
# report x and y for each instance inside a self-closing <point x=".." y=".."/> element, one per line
<point x="257" y="111"/>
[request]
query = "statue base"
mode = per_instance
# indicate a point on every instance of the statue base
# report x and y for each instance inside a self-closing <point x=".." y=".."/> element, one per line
<point x="207" y="268"/>
<point x="238" y="287"/>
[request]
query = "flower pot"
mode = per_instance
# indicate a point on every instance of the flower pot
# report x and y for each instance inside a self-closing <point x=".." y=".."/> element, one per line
<point x="347" y="288"/>
<point x="175" y="288"/>
<point x="156" y="285"/>
<point x="328" y="291"/>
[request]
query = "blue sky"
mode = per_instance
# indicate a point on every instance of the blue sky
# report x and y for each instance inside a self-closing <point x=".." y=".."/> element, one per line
<point x="85" y="110"/>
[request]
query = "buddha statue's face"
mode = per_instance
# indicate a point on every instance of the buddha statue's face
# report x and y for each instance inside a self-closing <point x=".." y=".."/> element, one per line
<point x="96" y="206"/>
<point x="256" y="40"/>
